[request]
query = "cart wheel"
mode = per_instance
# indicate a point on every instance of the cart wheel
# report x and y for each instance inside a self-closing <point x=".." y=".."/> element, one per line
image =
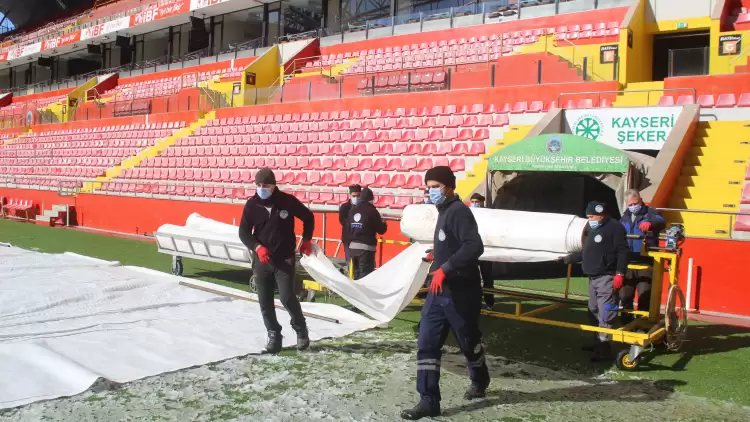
<point x="625" y="363"/>
<point x="177" y="265"/>
<point x="253" y="287"/>
<point x="675" y="319"/>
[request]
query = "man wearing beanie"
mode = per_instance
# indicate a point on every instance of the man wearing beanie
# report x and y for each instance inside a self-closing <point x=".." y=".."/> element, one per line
<point x="267" y="229"/>
<point x="454" y="298"/>
<point x="365" y="223"/>
<point x="354" y="192"/>
<point x="476" y="200"/>
<point x="604" y="260"/>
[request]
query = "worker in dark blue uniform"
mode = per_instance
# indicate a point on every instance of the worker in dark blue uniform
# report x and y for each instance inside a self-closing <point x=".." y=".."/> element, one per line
<point x="641" y="220"/>
<point x="454" y="299"/>
<point x="354" y="192"/>
<point x="604" y="260"/>
<point x="476" y="200"/>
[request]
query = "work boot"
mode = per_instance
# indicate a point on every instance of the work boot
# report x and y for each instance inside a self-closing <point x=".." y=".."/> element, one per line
<point x="602" y="352"/>
<point x="303" y="339"/>
<point x="274" y="342"/>
<point x="475" y="391"/>
<point x="421" y="410"/>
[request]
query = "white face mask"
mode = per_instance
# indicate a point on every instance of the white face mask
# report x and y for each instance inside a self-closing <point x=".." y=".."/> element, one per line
<point x="475" y="205"/>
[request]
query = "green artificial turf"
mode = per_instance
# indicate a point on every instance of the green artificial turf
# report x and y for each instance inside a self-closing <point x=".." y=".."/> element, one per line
<point x="713" y="363"/>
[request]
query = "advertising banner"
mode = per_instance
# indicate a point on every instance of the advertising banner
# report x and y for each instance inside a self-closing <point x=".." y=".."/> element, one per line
<point x="559" y="152"/>
<point x="624" y="128"/>
<point x="161" y="11"/>
<point x="23" y="51"/>
<point x="200" y="4"/>
<point x="61" y="40"/>
<point x="106" y="28"/>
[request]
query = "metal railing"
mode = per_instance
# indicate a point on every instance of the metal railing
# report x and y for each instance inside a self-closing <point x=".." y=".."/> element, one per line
<point x="609" y="93"/>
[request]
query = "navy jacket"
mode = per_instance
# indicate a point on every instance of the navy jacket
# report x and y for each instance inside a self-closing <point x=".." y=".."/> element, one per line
<point x="631" y="227"/>
<point x="457" y="244"/>
<point x="270" y="222"/>
<point x="605" y="250"/>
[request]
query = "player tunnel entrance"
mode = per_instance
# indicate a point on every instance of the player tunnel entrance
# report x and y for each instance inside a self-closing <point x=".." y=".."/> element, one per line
<point x="560" y="173"/>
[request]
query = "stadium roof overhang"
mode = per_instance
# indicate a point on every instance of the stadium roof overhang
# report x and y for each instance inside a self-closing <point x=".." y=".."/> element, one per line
<point x="215" y="10"/>
<point x="27" y="13"/>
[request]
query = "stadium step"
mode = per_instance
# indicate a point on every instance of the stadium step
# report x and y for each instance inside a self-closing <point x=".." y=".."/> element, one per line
<point x="13" y="139"/>
<point x="57" y="213"/>
<point x="711" y="180"/>
<point x="151" y="151"/>
<point x="639" y="94"/>
<point x="476" y="175"/>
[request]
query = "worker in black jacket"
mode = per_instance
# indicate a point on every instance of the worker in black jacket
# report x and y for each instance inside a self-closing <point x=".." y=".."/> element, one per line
<point x="454" y="299"/>
<point x="354" y="192"/>
<point x="477" y="200"/>
<point x="267" y="229"/>
<point x="365" y="224"/>
<point x="604" y="260"/>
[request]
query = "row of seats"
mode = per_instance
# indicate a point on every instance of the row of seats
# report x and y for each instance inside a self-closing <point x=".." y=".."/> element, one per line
<point x="326" y="116"/>
<point x="63" y="152"/>
<point x="413" y="81"/>
<point x="387" y="123"/>
<point x="302" y="163"/>
<point x="55" y="171"/>
<point x="16" y="204"/>
<point x="240" y="193"/>
<point x="723" y="100"/>
<point x="47" y="182"/>
<point x="22" y="106"/>
<point x="530" y="35"/>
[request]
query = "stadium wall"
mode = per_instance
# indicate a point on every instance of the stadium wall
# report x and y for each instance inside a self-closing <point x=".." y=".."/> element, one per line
<point x="636" y="59"/>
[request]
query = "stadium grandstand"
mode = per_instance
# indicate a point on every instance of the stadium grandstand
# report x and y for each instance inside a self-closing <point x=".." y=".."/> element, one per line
<point x="131" y="114"/>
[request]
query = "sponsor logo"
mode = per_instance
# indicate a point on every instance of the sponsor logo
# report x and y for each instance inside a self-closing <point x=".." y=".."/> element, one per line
<point x="283" y="214"/>
<point x="554" y="145"/>
<point x="441" y="235"/>
<point x="598" y="238"/>
<point x="588" y="126"/>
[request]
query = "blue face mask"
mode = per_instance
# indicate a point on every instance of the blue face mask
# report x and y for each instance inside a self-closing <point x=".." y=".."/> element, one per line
<point x="594" y="224"/>
<point x="634" y="208"/>
<point x="475" y="205"/>
<point x="436" y="196"/>
<point x="354" y="201"/>
<point x="427" y="201"/>
<point x="265" y="193"/>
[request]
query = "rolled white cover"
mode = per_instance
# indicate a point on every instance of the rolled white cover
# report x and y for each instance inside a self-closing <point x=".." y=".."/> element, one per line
<point x="508" y="236"/>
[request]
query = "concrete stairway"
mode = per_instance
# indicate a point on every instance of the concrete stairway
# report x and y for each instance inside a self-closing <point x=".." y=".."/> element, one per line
<point x="478" y="173"/>
<point x="711" y="179"/>
<point x="56" y="214"/>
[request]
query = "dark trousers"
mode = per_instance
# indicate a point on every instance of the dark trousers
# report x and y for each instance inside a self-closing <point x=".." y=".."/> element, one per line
<point x="439" y="314"/>
<point x="488" y="281"/>
<point x="267" y="277"/>
<point x="640" y="281"/>
<point x="363" y="262"/>
<point x="603" y="305"/>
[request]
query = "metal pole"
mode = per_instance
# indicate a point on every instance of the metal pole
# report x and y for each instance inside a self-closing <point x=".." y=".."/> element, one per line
<point x="585" y="68"/>
<point x="492" y="76"/>
<point x="341" y="88"/>
<point x="539" y="72"/>
<point x="689" y="294"/>
<point x="324" y="233"/>
<point x="448" y="79"/>
<point x="309" y="91"/>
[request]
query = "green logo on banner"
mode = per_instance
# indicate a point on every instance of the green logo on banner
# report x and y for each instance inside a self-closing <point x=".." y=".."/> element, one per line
<point x="560" y="152"/>
<point x="588" y="126"/>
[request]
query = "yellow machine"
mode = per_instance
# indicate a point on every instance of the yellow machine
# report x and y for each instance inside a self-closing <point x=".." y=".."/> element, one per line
<point x="648" y="328"/>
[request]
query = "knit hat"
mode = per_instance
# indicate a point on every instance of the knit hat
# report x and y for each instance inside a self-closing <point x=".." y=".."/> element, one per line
<point x="355" y="188"/>
<point x="595" y="208"/>
<point x="366" y="195"/>
<point x="441" y="174"/>
<point x="265" y="176"/>
<point x="476" y="196"/>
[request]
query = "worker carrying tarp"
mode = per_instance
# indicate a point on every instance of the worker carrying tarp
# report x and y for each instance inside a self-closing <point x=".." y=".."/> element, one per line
<point x="454" y="299"/>
<point x="365" y="224"/>
<point x="267" y="229"/>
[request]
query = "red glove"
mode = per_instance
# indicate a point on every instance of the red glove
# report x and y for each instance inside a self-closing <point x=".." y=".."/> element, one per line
<point x="617" y="282"/>
<point x="305" y="247"/>
<point x="645" y="226"/>
<point x="263" y="254"/>
<point x="436" y="286"/>
<point x="428" y="257"/>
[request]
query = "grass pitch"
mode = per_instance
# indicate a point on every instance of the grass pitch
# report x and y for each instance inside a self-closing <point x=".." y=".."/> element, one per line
<point x="539" y="373"/>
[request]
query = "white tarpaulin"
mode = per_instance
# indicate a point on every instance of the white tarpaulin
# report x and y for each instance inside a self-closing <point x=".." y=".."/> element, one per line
<point x="508" y="236"/>
<point x="68" y="320"/>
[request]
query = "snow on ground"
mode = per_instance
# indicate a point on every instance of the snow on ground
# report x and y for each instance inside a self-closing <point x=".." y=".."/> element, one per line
<point x="370" y="376"/>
